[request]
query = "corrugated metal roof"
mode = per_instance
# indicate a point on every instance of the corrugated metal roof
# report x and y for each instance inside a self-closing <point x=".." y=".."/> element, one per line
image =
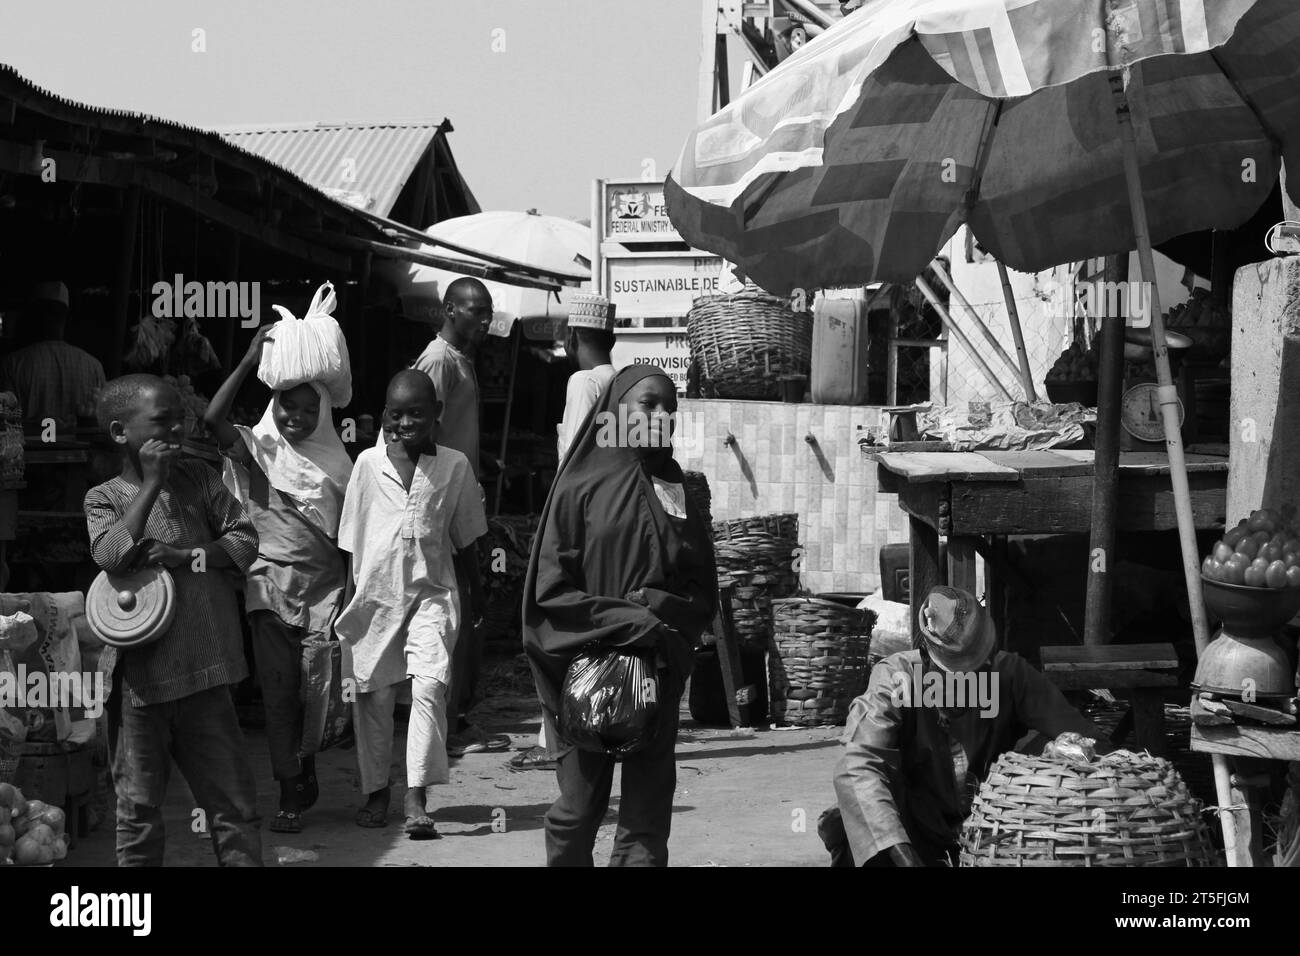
<point x="363" y="164"/>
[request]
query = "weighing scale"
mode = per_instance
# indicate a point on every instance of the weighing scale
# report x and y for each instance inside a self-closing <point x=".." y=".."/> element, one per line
<point x="1140" y="416"/>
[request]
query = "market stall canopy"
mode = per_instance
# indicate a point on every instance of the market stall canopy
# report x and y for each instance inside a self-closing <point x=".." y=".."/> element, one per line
<point x="531" y="243"/>
<point x="860" y="155"/>
<point x="400" y="170"/>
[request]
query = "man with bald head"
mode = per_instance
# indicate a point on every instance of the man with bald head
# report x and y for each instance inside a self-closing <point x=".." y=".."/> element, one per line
<point x="466" y="315"/>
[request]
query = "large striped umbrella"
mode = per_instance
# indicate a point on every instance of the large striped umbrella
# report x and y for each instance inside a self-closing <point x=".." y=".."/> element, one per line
<point x="860" y="155"/>
<point x="1058" y="129"/>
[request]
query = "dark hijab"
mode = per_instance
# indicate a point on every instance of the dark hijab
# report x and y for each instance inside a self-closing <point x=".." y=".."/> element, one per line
<point x="603" y="534"/>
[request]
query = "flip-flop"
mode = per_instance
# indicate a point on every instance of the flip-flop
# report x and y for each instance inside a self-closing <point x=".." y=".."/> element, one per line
<point x="287" y="821"/>
<point x="534" y="758"/>
<point x="421" y="828"/>
<point x="372" y="819"/>
<point x="496" y="743"/>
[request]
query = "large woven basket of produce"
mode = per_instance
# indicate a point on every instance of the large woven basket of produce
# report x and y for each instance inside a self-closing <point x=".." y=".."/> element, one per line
<point x="821" y="660"/>
<point x="762" y="568"/>
<point x="1122" y="809"/>
<point x="743" y="342"/>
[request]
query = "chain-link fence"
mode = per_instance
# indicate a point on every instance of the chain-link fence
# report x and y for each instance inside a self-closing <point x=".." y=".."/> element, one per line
<point x="928" y="363"/>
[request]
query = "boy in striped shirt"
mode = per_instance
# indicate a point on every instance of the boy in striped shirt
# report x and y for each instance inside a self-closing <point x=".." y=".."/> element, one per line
<point x="171" y="698"/>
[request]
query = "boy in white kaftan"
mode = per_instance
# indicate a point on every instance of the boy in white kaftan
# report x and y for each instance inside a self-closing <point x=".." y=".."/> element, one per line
<point x="404" y="616"/>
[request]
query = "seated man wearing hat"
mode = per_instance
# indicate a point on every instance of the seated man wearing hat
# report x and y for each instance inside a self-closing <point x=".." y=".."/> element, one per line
<point x="932" y="722"/>
<point x="51" y="378"/>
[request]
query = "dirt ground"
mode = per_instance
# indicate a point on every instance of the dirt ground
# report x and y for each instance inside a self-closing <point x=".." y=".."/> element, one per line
<point x="748" y="799"/>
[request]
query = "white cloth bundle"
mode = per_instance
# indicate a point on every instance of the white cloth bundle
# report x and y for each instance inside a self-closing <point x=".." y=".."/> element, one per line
<point x="311" y="349"/>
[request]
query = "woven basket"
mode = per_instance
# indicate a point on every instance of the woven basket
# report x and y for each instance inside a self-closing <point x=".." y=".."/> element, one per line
<point x="784" y="525"/>
<point x="742" y="342"/>
<point x="821" y="660"/>
<point x="1125" y="810"/>
<point x="697" y="489"/>
<point x="761" y="566"/>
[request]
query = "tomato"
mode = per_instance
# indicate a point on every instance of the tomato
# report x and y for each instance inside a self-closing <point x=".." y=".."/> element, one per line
<point x="1275" y="576"/>
<point x="1222" y="552"/>
<point x="1292" y="559"/>
<point x="1234" y="571"/>
<point x="1233" y="537"/>
<point x="1265" y="519"/>
<point x="1248" y="547"/>
<point x="7" y="835"/>
<point x="8" y="794"/>
<point x="27" y="852"/>
<point x="1210" y="568"/>
<point x="1293" y="577"/>
<point x="1255" y="577"/>
<point x="1271" y="552"/>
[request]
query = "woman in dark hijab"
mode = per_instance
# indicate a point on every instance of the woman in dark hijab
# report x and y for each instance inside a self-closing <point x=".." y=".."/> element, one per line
<point x="621" y="558"/>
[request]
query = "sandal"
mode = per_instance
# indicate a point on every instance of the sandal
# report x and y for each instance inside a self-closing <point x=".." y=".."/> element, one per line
<point x="372" y="819"/>
<point x="421" y="828"/>
<point x="287" y="821"/>
<point x="474" y="741"/>
<point x="534" y="758"/>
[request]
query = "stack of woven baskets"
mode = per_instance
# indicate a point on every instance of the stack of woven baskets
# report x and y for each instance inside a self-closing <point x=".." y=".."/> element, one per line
<point x="1124" y="810"/>
<point x="742" y="343"/>
<point x="821" y="660"/>
<point x="756" y="556"/>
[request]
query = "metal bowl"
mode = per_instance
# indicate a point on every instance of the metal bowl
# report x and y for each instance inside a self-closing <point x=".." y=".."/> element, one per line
<point x="1245" y="667"/>
<point x="1250" y="612"/>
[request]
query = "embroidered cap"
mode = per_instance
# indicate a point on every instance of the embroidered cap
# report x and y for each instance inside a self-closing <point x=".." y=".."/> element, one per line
<point x="958" y="631"/>
<point x="590" y="311"/>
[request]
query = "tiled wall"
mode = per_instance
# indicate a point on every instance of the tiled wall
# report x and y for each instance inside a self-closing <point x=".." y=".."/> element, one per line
<point x="843" y="520"/>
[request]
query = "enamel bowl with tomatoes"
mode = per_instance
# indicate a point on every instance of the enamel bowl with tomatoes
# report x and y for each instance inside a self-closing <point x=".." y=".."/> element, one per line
<point x="1263" y="551"/>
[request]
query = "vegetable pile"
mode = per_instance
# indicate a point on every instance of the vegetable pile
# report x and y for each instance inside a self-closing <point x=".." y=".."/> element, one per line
<point x="32" y="833"/>
<point x="1262" y="551"/>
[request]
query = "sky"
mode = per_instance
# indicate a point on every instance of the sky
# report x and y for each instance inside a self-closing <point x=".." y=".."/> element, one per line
<point x="544" y="95"/>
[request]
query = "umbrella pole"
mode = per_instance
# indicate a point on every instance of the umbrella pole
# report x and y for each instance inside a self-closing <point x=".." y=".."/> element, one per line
<point x="517" y="333"/>
<point x="1013" y="316"/>
<point x="961" y="337"/>
<point x="1173" y="436"/>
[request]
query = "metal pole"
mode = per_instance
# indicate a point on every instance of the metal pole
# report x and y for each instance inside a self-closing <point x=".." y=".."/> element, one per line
<point x="1173" y="436"/>
<point x="1013" y="316"/>
<point x="961" y="337"/>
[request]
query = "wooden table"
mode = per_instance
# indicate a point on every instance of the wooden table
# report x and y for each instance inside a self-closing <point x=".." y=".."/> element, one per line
<point x="977" y="499"/>
<point x="1247" y="747"/>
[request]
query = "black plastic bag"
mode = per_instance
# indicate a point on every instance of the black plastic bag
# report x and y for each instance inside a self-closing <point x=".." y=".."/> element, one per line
<point x="610" y="700"/>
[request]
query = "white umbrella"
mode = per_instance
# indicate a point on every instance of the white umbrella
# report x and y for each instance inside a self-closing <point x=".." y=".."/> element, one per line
<point x="525" y="238"/>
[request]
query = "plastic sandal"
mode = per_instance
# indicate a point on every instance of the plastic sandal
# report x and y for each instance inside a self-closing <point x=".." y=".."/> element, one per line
<point x="287" y="821"/>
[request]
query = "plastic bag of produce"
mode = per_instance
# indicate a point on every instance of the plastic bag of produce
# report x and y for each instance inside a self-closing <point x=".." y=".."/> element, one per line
<point x="327" y="716"/>
<point x="310" y="349"/>
<point x="610" y="700"/>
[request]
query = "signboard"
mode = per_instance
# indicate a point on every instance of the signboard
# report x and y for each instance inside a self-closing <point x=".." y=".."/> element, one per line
<point x="633" y="211"/>
<point x="660" y="286"/>
<point x="669" y="349"/>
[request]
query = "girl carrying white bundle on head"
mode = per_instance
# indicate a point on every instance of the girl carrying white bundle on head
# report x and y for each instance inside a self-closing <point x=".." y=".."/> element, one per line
<point x="289" y="471"/>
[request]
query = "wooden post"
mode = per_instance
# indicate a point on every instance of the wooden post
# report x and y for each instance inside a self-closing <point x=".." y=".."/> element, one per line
<point x="123" y="276"/>
<point x="362" y="362"/>
<point x="1017" y="333"/>
<point x="925" y="569"/>
<point x="1105" y="485"/>
<point x="708" y="80"/>
<point x="891" y="360"/>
